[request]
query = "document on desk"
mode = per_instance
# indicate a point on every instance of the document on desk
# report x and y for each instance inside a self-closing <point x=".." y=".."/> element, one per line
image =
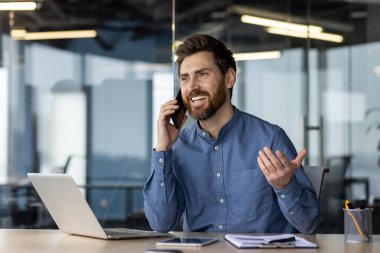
<point x="269" y="241"/>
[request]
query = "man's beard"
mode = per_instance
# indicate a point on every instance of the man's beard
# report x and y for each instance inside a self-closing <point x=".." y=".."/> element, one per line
<point x="215" y="103"/>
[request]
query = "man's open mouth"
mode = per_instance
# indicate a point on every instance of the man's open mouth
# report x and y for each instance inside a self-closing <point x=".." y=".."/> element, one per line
<point x="197" y="98"/>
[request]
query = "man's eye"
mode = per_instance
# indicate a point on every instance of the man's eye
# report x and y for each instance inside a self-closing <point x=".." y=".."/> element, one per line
<point x="203" y="74"/>
<point x="183" y="79"/>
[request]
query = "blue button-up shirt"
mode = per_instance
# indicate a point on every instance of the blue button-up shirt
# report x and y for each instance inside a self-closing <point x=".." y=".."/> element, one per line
<point x="218" y="185"/>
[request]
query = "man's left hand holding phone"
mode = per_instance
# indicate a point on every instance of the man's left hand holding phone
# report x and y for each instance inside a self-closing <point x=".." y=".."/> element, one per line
<point x="167" y="133"/>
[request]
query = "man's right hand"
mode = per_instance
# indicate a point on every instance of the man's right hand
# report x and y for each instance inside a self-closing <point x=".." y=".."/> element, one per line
<point x="167" y="133"/>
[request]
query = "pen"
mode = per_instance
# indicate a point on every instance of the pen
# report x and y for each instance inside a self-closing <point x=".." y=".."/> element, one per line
<point x="348" y="206"/>
<point x="278" y="245"/>
<point x="261" y="240"/>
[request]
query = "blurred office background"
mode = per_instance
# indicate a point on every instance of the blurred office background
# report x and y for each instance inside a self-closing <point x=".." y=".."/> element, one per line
<point x="88" y="106"/>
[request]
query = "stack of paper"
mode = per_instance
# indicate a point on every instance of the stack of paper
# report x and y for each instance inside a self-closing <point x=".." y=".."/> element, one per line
<point x="269" y="241"/>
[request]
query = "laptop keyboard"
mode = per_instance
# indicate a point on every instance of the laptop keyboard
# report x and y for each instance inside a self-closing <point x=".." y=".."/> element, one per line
<point x="119" y="233"/>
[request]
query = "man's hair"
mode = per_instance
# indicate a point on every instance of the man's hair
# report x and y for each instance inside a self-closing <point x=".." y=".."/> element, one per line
<point x="201" y="42"/>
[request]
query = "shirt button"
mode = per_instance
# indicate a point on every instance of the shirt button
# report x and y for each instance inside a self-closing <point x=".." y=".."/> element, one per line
<point x="203" y="133"/>
<point x="291" y="213"/>
<point x="220" y="226"/>
<point x="282" y="196"/>
<point x="162" y="184"/>
<point x="218" y="174"/>
<point x="216" y="147"/>
<point x="221" y="201"/>
<point x="160" y="160"/>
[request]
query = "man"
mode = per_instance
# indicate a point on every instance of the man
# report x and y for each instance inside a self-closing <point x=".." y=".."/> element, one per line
<point x="231" y="171"/>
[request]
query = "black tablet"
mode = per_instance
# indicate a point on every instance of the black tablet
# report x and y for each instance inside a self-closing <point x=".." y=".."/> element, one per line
<point x="187" y="241"/>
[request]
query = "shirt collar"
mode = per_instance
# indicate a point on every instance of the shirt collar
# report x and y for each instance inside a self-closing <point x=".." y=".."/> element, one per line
<point x="225" y="129"/>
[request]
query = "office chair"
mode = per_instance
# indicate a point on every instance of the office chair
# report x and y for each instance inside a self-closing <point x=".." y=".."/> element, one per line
<point x="316" y="175"/>
<point x="341" y="179"/>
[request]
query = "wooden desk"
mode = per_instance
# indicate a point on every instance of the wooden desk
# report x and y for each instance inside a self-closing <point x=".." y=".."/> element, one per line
<point x="47" y="241"/>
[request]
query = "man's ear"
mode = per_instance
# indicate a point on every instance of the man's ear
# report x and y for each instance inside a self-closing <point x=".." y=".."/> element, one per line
<point x="230" y="78"/>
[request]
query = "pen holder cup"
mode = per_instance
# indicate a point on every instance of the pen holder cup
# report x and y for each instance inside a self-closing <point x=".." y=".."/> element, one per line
<point x="358" y="225"/>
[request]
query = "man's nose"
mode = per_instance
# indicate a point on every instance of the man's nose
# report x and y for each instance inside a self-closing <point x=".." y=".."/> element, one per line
<point x="193" y="83"/>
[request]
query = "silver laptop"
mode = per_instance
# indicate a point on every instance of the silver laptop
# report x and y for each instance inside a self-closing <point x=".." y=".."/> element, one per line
<point x="71" y="212"/>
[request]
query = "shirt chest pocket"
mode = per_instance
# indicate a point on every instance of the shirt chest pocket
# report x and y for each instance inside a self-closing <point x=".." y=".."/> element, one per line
<point x="248" y="193"/>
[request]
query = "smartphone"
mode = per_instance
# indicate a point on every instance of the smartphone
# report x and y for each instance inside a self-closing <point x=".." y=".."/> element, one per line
<point x="179" y="114"/>
<point x="187" y="241"/>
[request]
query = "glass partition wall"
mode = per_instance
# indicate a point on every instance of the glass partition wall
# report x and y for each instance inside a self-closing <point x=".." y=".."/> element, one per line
<point x="82" y="106"/>
<point x="89" y="106"/>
